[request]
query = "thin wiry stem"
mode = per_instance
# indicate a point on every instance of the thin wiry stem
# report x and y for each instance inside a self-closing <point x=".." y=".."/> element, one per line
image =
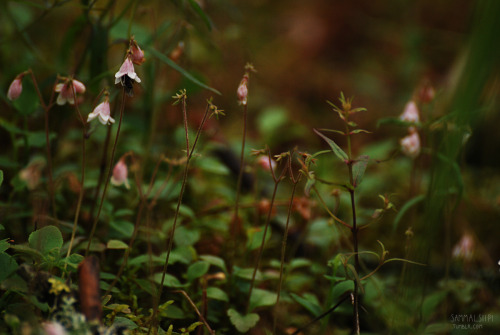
<point x="235" y="220"/>
<point x="354" y="231"/>
<point x="295" y="181"/>
<point x="142" y="205"/>
<point x="268" y="219"/>
<point x="46" y="109"/>
<point x="82" y="180"/>
<point x="110" y="169"/>
<point x="189" y="155"/>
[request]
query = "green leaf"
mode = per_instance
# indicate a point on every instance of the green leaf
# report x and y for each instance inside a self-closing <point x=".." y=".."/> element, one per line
<point x="214" y="260"/>
<point x="261" y="298"/>
<point x="409" y="204"/>
<point x="74" y="260"/>
<point x="243" y="323"/>
<point x="4" y="245"/>
<point x="124" y="323"/>
<point x="8" y="265"/>
<point x="116" y="244"/>
<point x="358" y="169"/>
<point x="357" y="131"/>
<point x="1" y="177"/>
<point x="186" y="237"/>
<point x="184" y="211"/>
<point x="217" y="294"/>
<point x="201" y="13"/>
<point x="176" y="67"/>
<point x="196" y="270"/>
<point x="332" y="131"/>
<point x="309" y="302"/>
<point x="46" y="239"/>
<point x="170" y="281"/>
<point x="255" y="236"/>
<point x="335" y="148"/>
<point x="247" y="273"/>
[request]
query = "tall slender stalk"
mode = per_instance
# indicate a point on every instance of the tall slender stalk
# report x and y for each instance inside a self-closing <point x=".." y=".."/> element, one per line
<point x="110" y="169"/>
<point x="235" y="220"/>
<point x="354" y="229"/>
<point x="295" y="181"/>
<point x="189" y="155"/>
<point x="277" y="180"/>
<point x="82" y="180"/>
<point x="142" y="205"/>
<point x="46" y="109"/>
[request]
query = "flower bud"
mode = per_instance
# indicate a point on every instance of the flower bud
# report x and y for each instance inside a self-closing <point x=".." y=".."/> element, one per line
<point x="137" y="55"/>
<point x="15" y="88"/>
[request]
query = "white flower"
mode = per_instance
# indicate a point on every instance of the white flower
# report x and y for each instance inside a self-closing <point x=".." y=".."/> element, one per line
<point x="66" y="93"/>
<point x="410" y="145"/>
<point x="410" y="113"/>
<point x="103" y="112"/>
<point x="127" y="69"/>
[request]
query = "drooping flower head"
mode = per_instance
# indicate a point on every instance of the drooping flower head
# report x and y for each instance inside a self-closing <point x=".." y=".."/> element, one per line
<point x="120" y="174"/>
<point x="66" y="92"/>
<point x="16" y="87"/>
<point x="465" y="248"/>
<point x="136" y="54"/>
<point x="410" y="145"/>
<point x="242" y="91"/>
<point x="410" y="113"/>
<point x="126" y="75"/>
<point x="103" y="112"/>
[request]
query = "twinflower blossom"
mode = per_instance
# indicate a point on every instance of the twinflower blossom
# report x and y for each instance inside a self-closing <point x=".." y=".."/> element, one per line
<point x="66" y="93"/>
<point x="120" y="174"/>
<point x="15" y="88"/>
<point x="126" y="75"/>
<point x="410" y="113"/>
<point x="464" y="249"/>
<point x="410" y="145"/>
<point x="242" y="91"/>
<point x="103" y="112"/>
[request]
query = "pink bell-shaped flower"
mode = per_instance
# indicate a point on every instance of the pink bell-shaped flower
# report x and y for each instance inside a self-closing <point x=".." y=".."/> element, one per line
<point x="66" y="93"/>
<point x="410" y="145"/>
<point x="126" y="75"/>
<point x="120" y="174"/>
<point x="410" y="113"/>
<point x="102" y="111"/>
